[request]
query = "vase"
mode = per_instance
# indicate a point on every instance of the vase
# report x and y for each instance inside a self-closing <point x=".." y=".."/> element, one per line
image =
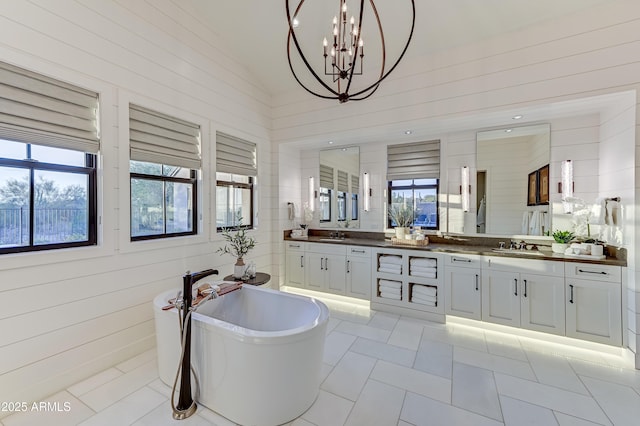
<point x="559" y="247"/>
<point x="239" y="268"/>
<point x="400" y="232"/>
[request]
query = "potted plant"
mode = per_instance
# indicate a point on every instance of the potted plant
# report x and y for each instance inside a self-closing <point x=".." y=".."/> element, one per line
<point x="402" y="216"/>
<point x="562" y="240"/>
<point x="238" y="245"/>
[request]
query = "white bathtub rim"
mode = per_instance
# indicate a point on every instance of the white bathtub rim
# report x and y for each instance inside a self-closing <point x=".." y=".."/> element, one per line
<point x="249" y="335"/>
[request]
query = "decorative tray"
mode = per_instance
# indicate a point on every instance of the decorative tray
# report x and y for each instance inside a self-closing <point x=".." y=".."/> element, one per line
<point x="587" y="256"/>
<point x="416" y="243"/>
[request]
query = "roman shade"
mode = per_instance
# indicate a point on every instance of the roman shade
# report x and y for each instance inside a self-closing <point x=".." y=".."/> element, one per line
<point x="160" y="138"/>
<point x="45" y="111"/>
<point x="355" y="184"/>
<point x="235" y="155"/>
<point x="420" y="160"/>
<point x="343" y="181"/>
<point x="326" y="177"/>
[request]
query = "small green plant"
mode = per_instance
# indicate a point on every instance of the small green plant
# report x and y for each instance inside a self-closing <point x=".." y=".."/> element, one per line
<point x="401" y="216"/>
<point x="239" y="242"/>
<point x="563" y="237"/>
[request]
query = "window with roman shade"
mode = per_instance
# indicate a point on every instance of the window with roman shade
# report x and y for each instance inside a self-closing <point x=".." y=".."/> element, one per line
<point x="343" y="181"/>
<point x="326" y="177"/>
<point x="162" y="139"/>
<point x="235" y="155"/>
<point x="355" y="184"/>
<point x="419" y="160"/>
<point x="44" y="111"/>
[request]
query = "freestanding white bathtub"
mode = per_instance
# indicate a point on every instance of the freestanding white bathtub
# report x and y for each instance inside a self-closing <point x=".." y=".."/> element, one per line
<point x="257" y="352"/>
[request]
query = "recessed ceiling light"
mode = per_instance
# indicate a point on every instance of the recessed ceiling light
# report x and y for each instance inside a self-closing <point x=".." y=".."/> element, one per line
<point x="508" y="130"/>
<point x="408" y="132"/>
<point x="517" y="117"/>
<point x="330" y="142"/>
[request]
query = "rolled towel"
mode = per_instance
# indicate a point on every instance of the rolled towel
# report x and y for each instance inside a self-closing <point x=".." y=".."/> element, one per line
<point x="390" y="295"/>
<point x="390" y="269"/>
<point x="392" y="259"/>
<point x="390" y="283"/>
<point x="424" y="302"/>
<point x="389" y="288"/>
<point x="427" y="291"/>
<point x="424" y="274"/>
<point x="423" y="269"/>
<point x="424" y="298"/>
<point x="423" y="262"/>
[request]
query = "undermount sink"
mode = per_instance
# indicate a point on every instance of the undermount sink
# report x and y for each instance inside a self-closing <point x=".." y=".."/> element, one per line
<point x="521" y="252"/>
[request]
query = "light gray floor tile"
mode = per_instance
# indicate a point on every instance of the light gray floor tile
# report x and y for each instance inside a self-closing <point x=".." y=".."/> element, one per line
<point x="406" y="334"/>
<point x="384" y="320"/>
<point x="434" y="357"/>
<point x="621" y="376"/>
<point x="138" y="360"/>
<point x="620" y="403"/>
<point x="127" y="410"/>
<point x="496" y="363"/>
<point x="362" y="330"/>
<point x="378" y="404"/>
<point x="504" y="345"/>
<point x="93" y="382"/>
<point x="162" y="415"/>
<point x="426" y="384"/>
<point x="66" y="409"/>
<point x="567" y="420"/>
<point x="384" y="351"/>
<point x="328" y="410"/>
<point x="336" y="344"/>
<point x="551" y="397"/>
<point x="556" y="371"/>
<point x="349" y="375"/>
<point x="421" y="411"/>
<point x="474" y="389"/>
<point x="520" y="413"/>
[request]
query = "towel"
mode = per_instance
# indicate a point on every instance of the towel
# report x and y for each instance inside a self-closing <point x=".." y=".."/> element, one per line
<point x="546" y="223"/>
<point x="424" y="290"/>
<point x="394" y="260"/>
<point x="389" y="283"/>
<point x="390" y="295"/>
<point x="423" y="269"/>
<point x="423" y="262"/>
<point x="390" y="270"/>
<point x="424" y="274"/>
<point x="535" y="225"/>
<point x="480" y="218"/>
<point x="614" y="213"/>
<point x="424" y="298"/>
<point x="598" y="212"/>
<point x="525" y="223"/>
<point x="424" y="302"/>
<point x="389" y="288"/>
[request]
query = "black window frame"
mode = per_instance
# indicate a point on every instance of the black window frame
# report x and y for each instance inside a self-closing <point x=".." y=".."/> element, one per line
<point x="231" y="185"/>
<point x="413" y="187"/>
<point x="192" y="179"/>
<point x="32" y="165"/>
<point x="355" y="206"/>
<point x="326" y="196"/>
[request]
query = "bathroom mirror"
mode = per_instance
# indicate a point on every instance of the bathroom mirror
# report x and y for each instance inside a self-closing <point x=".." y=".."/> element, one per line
<point x="339" y="188"/>
<point x="506" y="160"/>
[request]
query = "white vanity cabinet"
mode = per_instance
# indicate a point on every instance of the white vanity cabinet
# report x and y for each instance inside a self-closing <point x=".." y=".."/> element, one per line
<point x="533" y="299"/>
<point x="462" y="282"/>
<point x="325" y="267"/>
<point x="593" y="294"/>
<point x="358" y="272"/>
<point x="295" y="254"/>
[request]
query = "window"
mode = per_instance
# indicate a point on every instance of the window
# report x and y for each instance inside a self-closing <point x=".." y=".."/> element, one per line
<point x="342" y="206"/>
<point x="162" y="200"/>
<point x="420" y="195"/>
<point x="324" y="203"/>
<point x="234" y="195"/>
<point x="354" y="206"/>
<point x="236" y="171"/>
<point x="49" y="139"/>
<point x="47" y="198"/>
<point x="165" y="159"/>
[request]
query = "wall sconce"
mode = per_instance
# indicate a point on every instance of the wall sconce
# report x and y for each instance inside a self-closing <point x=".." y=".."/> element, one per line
<point x="366" y="186"/>
<point x="312" y="193"/>
<point x="465" y="188"/>
<point x="565" y="186"/>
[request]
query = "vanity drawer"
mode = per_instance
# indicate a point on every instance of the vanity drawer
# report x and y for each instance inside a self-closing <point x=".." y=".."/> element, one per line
<point x="358" y="251"/>
<point x="329" y="248"/>
<point x="295" y="246"/>
<point x="530" y="266"/>
<point x="593" y="271"/>
<point x="462" y="260"/>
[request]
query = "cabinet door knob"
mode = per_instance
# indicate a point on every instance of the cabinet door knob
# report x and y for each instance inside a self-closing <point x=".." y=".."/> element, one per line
<point x="525" y="288"/>
<point x="571" y="293"/>
<point x="348" y="264"/>
<point x="515" y="284"/>
<point x="477" y="288"/>
<point x="301" y="259"/>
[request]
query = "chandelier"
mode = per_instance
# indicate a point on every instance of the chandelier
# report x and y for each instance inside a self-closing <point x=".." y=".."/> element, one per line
<point x="343" y="53"/>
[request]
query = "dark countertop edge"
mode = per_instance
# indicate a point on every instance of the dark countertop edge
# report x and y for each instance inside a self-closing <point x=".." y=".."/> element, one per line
<point x="455" y="248"/>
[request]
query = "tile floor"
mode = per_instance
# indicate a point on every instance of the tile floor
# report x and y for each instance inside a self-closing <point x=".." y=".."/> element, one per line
<point x="384" y="369"/>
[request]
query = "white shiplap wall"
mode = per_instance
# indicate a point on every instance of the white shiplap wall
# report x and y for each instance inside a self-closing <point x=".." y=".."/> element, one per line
<point x="583" y="55"/>
<point x="70" y="314"/>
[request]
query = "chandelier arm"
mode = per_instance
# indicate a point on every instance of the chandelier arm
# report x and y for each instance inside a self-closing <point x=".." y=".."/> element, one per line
<point x="302" y="85"/>
<point x="413" y="23"/>
<point x="291" y="35"/>
<point x="355" y="53"/>
<point x="373" y="90"/>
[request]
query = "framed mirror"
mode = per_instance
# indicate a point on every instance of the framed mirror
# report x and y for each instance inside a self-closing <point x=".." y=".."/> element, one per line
<point x="339" y="188"/>
<point x="512" y="181"/>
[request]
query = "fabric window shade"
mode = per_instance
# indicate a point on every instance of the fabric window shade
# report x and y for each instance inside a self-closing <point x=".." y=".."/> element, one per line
<point x="419" y="160"/>
<point x="326" y="177"/>
<point x="343" y="181"/>
<point x="159" y="138"/>
<point x="355" y="184"/>
<point x="235" y="156"/>
<point x="41" y="110"/>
